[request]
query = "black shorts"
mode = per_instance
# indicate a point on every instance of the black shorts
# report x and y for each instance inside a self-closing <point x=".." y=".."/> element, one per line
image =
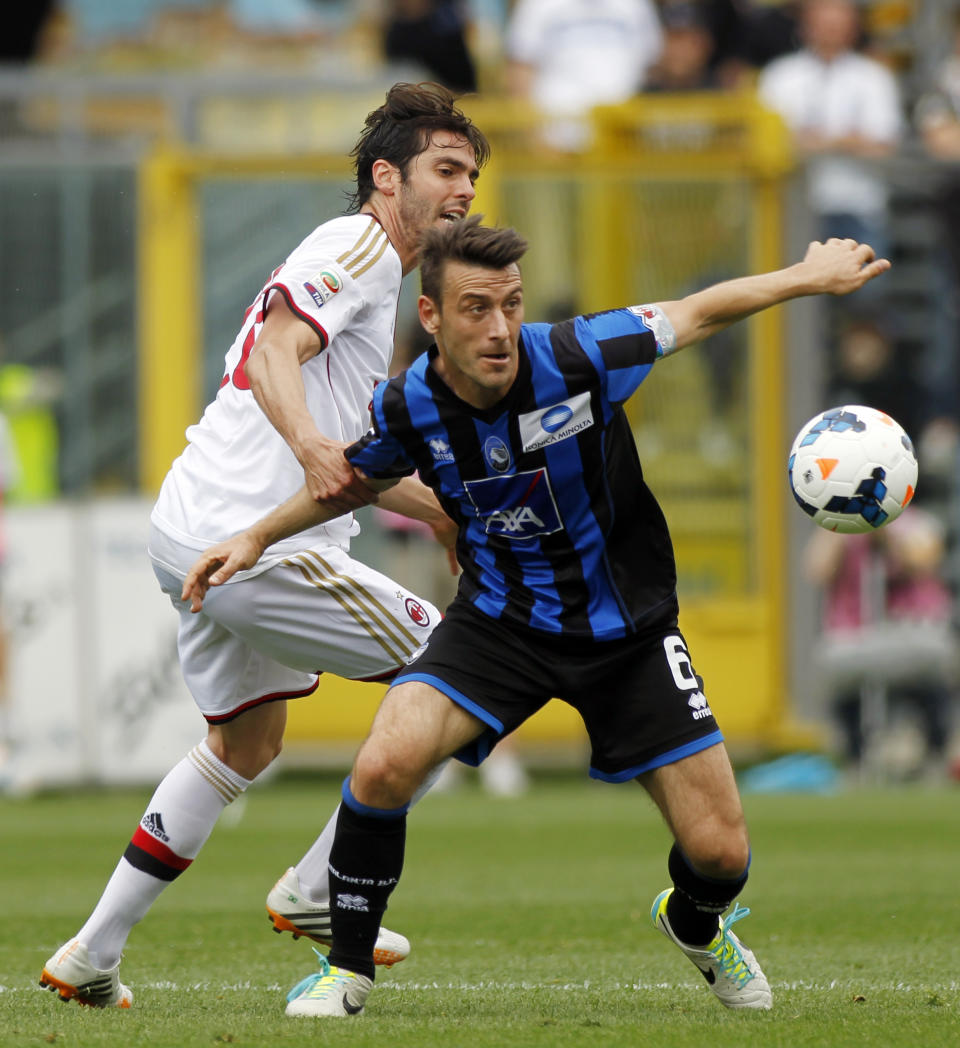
<point x="640" y="699"/>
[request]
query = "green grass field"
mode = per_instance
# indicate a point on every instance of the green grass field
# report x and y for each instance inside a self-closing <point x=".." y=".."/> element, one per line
<point x="529" y="921"/>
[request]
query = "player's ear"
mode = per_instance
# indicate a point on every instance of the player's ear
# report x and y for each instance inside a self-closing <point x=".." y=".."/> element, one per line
<point x="387" y="177"/>
<point x="429" y="314"/>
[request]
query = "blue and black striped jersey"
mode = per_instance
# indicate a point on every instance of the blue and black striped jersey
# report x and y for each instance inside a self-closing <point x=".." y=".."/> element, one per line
<point x="558" y="530"/>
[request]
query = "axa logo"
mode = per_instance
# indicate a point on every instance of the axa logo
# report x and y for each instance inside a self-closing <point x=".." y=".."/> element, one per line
<point x="517" y="506"/>
<point x="357" y="903"/>
<point x="538" y="429"/>
<point x="514" y="521"/>
<point x="699" y="706"/>
<point x="440" y="450"/>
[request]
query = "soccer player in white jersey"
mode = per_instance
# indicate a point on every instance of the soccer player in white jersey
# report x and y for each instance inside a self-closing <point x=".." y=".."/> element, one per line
<point x="296" y="390"/>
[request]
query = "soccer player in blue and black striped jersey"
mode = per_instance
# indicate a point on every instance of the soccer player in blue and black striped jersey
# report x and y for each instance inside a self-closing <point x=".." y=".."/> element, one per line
<point x="568" y="587"/>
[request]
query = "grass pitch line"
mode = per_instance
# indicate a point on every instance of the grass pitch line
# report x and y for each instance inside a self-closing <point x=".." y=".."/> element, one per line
<point x="512" y="987"/>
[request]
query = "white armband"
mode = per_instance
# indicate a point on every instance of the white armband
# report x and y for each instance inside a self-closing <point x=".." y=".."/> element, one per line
<point x="656" y="320"/>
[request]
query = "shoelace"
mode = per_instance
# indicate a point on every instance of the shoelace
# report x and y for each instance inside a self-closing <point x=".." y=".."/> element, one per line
<point x="311" y="982"/>
<point x="727" y="952"/>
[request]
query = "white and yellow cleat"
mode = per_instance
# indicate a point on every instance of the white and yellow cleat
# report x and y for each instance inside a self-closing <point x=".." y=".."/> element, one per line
<point x="329" y="993"/>
<point x="290" y="911"/>
<point x="70" y="974"/>
<point x="731" y="970"/>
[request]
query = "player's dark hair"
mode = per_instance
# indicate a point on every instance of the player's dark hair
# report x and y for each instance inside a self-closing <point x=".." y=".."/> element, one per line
<point x="400" y="130"/>
<point x="465" y="241"/>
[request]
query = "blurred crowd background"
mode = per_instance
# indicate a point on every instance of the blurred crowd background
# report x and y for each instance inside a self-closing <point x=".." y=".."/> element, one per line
<point x="868" y="99"/>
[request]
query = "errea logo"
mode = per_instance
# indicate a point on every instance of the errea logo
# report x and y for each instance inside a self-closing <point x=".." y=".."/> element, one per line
<point x="440" y="450"/>
<point x="699" y="706"/>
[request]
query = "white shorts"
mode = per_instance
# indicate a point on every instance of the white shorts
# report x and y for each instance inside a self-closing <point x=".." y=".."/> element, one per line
<point x="270" y="635"/>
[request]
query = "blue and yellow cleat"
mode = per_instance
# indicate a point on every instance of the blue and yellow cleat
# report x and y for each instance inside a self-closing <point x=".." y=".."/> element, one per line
<point x="731" y="970"/>
<point x="329" y="993"/>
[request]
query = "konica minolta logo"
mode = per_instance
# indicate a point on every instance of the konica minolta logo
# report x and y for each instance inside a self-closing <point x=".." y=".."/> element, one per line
<point x="555" y="423"/>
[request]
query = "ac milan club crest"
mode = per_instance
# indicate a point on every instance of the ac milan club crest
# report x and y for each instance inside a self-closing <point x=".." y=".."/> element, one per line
<point x="417" y="612"/>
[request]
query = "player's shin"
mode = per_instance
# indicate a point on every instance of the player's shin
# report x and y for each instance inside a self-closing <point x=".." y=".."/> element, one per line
<point x="177" y="822"/>
<point x="366" y="861"/>
<point x="693" y="909"/>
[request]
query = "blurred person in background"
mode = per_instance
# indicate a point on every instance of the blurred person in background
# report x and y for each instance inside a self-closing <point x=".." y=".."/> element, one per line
<point x="937" y="118"/>
<point x="887" y="639"/>
<point x="433" y="34"/>
<point x="9" y="476"/>
<point x="23" y="28"/>
<point x="685" y="61"/>
<point x="867" y="369"/>
<point x="843" y="109"/>
<point x="297" y="385"/>
<point x="567" y="56"/>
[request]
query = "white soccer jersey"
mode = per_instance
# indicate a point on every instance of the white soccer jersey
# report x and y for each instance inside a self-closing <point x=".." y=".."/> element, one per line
<point x="344" y="281"/>
<point x="851" y="95"/>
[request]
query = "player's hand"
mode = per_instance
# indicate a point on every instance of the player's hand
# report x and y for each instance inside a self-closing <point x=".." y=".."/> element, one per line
<point x="331" y="479"/>
<point x="217" y="564"/>
<point x="445" y="532"/>
<point x="841" y="266"/>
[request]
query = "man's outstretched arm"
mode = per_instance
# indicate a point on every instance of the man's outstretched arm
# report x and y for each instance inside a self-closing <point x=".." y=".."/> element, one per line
<point x="836" y="267"/>
<point x="222" y="561"/>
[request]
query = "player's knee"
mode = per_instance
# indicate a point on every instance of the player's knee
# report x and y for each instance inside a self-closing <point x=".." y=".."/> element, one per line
<point x="247" y="756"/>
<point x="719" y="849"/>
<point x="382" y="778"/>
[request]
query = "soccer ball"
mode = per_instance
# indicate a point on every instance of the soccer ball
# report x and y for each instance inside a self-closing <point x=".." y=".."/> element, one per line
<point x="852" y="469"/>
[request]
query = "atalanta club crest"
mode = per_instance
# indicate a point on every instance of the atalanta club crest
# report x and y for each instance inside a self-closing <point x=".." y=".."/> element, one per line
<point x="497" y="454"/>
<point x="417" y="612"/>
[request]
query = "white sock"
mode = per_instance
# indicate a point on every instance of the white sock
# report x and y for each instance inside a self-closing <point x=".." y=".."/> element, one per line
<point x="179" y="818"/>
<point x="312" y="870"/>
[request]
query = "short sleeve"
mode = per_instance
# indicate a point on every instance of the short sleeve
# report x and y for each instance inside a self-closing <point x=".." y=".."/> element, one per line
<point x="320" y="292"/>
<point x="628" y="342"/>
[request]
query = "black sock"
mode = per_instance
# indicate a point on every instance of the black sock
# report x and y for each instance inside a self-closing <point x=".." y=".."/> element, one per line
<point x="365" y="864"/>
<point x="695" y="905"/>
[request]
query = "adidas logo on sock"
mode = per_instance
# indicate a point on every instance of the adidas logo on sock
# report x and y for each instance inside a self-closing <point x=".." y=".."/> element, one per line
<point x="152" y="823"/>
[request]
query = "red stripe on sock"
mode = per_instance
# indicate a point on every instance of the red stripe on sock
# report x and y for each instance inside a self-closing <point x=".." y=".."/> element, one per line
<point x="158" y="850"/>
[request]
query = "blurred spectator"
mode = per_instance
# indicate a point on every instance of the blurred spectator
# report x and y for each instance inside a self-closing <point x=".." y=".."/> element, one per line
<point x="938" y="121"/>
<point x="23" y="28"/>
<point x="865" y="370"/>
<point x="844" y="111"/>
<point x="433" y="34"/>
<point x="9" y="473"/>
<point x="887" y="639"/>
<point x="688" y="47"/>
<point x="769" y="29"/>
<point x="938" y="111"/>
<point x="566" y="56"/>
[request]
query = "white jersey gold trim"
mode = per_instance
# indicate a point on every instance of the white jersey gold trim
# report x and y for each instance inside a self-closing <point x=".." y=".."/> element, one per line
<point x="395" y="639"/>
<point x="344" y="282"/>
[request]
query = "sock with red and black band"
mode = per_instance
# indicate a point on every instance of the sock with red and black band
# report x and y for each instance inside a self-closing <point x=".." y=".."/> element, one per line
<point x="366" y="861"/>
<point x="179" y="818"/>
<point x="695" y="905"/>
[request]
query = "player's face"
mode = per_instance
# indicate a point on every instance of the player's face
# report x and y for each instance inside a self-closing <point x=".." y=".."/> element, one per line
<point x="438" y="185"/>
<point x="477" y="328"/>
